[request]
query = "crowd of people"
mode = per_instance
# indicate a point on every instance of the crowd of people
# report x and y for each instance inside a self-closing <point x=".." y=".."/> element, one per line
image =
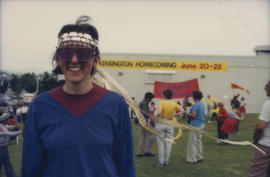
<point x="195" y="113"/>
<point x="9" y="130"/>
<point x="19" y="111"/>
<point x="167" y="109"/>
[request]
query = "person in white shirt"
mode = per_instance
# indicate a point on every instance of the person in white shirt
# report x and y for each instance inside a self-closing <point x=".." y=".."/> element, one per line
<point x="24" y="110"/>
<point x="19" y="113"/>
<point x="260" y="162"/>
<point x="242" y="108"/>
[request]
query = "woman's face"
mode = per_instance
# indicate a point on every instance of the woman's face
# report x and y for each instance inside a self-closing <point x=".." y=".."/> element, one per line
<point x="77" y="72"/>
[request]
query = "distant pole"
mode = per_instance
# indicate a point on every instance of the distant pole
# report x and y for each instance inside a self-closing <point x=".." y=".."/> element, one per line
<point x="37" y="86"/>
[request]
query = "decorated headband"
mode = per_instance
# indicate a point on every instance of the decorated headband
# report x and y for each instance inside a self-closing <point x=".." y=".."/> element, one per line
<point x="85" y="38"/>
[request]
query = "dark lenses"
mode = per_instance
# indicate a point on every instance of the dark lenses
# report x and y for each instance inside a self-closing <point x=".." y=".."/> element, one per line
<point x="83" y="54"/>
<point x="64" y="54"/>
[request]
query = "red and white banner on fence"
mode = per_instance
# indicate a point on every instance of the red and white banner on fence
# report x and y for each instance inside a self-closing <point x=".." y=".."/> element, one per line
<point x="179" y="89"/>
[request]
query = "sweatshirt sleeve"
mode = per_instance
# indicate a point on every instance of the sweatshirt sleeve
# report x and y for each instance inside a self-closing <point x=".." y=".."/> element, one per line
<point x="5" y="131"/>
<point x="123" y="146"/>
<point x="265" y="112"/>
<point x="33" y="154"/>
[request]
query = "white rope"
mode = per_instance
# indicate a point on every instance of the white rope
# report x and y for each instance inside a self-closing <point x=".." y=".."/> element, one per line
<point x="178" y="125"/>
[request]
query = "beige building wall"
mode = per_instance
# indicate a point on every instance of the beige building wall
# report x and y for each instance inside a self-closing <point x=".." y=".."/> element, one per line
<point x="251" y="72"/>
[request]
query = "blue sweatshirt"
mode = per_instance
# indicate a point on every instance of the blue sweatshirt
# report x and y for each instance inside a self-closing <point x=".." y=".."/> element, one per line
<point x="96" y="143"/>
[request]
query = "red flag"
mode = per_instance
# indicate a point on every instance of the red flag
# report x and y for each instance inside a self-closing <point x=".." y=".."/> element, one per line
<point x="235" y="86"/>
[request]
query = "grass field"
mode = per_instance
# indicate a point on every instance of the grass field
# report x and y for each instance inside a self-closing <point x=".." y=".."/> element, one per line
<point x="219" y="160"/>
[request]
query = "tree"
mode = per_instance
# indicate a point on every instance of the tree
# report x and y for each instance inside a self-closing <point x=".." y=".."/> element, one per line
<point x="3" y="86"/>
<point x="47" y="82"/>
<point x="29" y="82"/>
<point x="15" y="85"/>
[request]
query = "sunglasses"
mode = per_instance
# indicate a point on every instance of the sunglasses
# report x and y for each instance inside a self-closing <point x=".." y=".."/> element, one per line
<point x="83" y="54"/>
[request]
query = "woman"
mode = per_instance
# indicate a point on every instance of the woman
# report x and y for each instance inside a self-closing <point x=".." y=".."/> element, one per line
<point x="222" y="115"/>
<point x="166" y="109"/>
<point x="79" y="128"/>
<point x="197" y="119"/>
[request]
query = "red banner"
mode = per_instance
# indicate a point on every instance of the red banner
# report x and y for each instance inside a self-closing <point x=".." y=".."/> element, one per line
<point x="179" y="89"/>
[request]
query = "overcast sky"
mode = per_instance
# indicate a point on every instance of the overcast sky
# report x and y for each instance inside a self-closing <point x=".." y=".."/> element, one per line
<point x="197" y="27"/>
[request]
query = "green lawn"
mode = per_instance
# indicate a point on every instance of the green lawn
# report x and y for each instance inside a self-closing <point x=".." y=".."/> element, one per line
<point x="219" y="160"/>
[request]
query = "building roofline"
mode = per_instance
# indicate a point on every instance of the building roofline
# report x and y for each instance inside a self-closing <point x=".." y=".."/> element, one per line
<point x="183" y="55"/>
<point x="262" y="48"/>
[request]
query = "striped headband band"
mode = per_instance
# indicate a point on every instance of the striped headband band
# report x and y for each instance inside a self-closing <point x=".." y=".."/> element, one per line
<point x="77" y="37"/>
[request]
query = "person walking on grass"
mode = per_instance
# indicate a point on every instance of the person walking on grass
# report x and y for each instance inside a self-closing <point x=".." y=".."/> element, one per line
<point x="222" y="116"/>
<point x="166" y="109"/>
<point x="197" y="120"/>
<point x="146" y="139"/>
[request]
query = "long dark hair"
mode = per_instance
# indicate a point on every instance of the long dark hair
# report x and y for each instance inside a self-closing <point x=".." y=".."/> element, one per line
<point x="82" y="25"/>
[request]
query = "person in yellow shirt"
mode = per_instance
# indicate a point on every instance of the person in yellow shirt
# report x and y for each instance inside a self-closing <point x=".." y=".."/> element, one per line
<point x="214" y="110"/>
<point x="166" y="109"/>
